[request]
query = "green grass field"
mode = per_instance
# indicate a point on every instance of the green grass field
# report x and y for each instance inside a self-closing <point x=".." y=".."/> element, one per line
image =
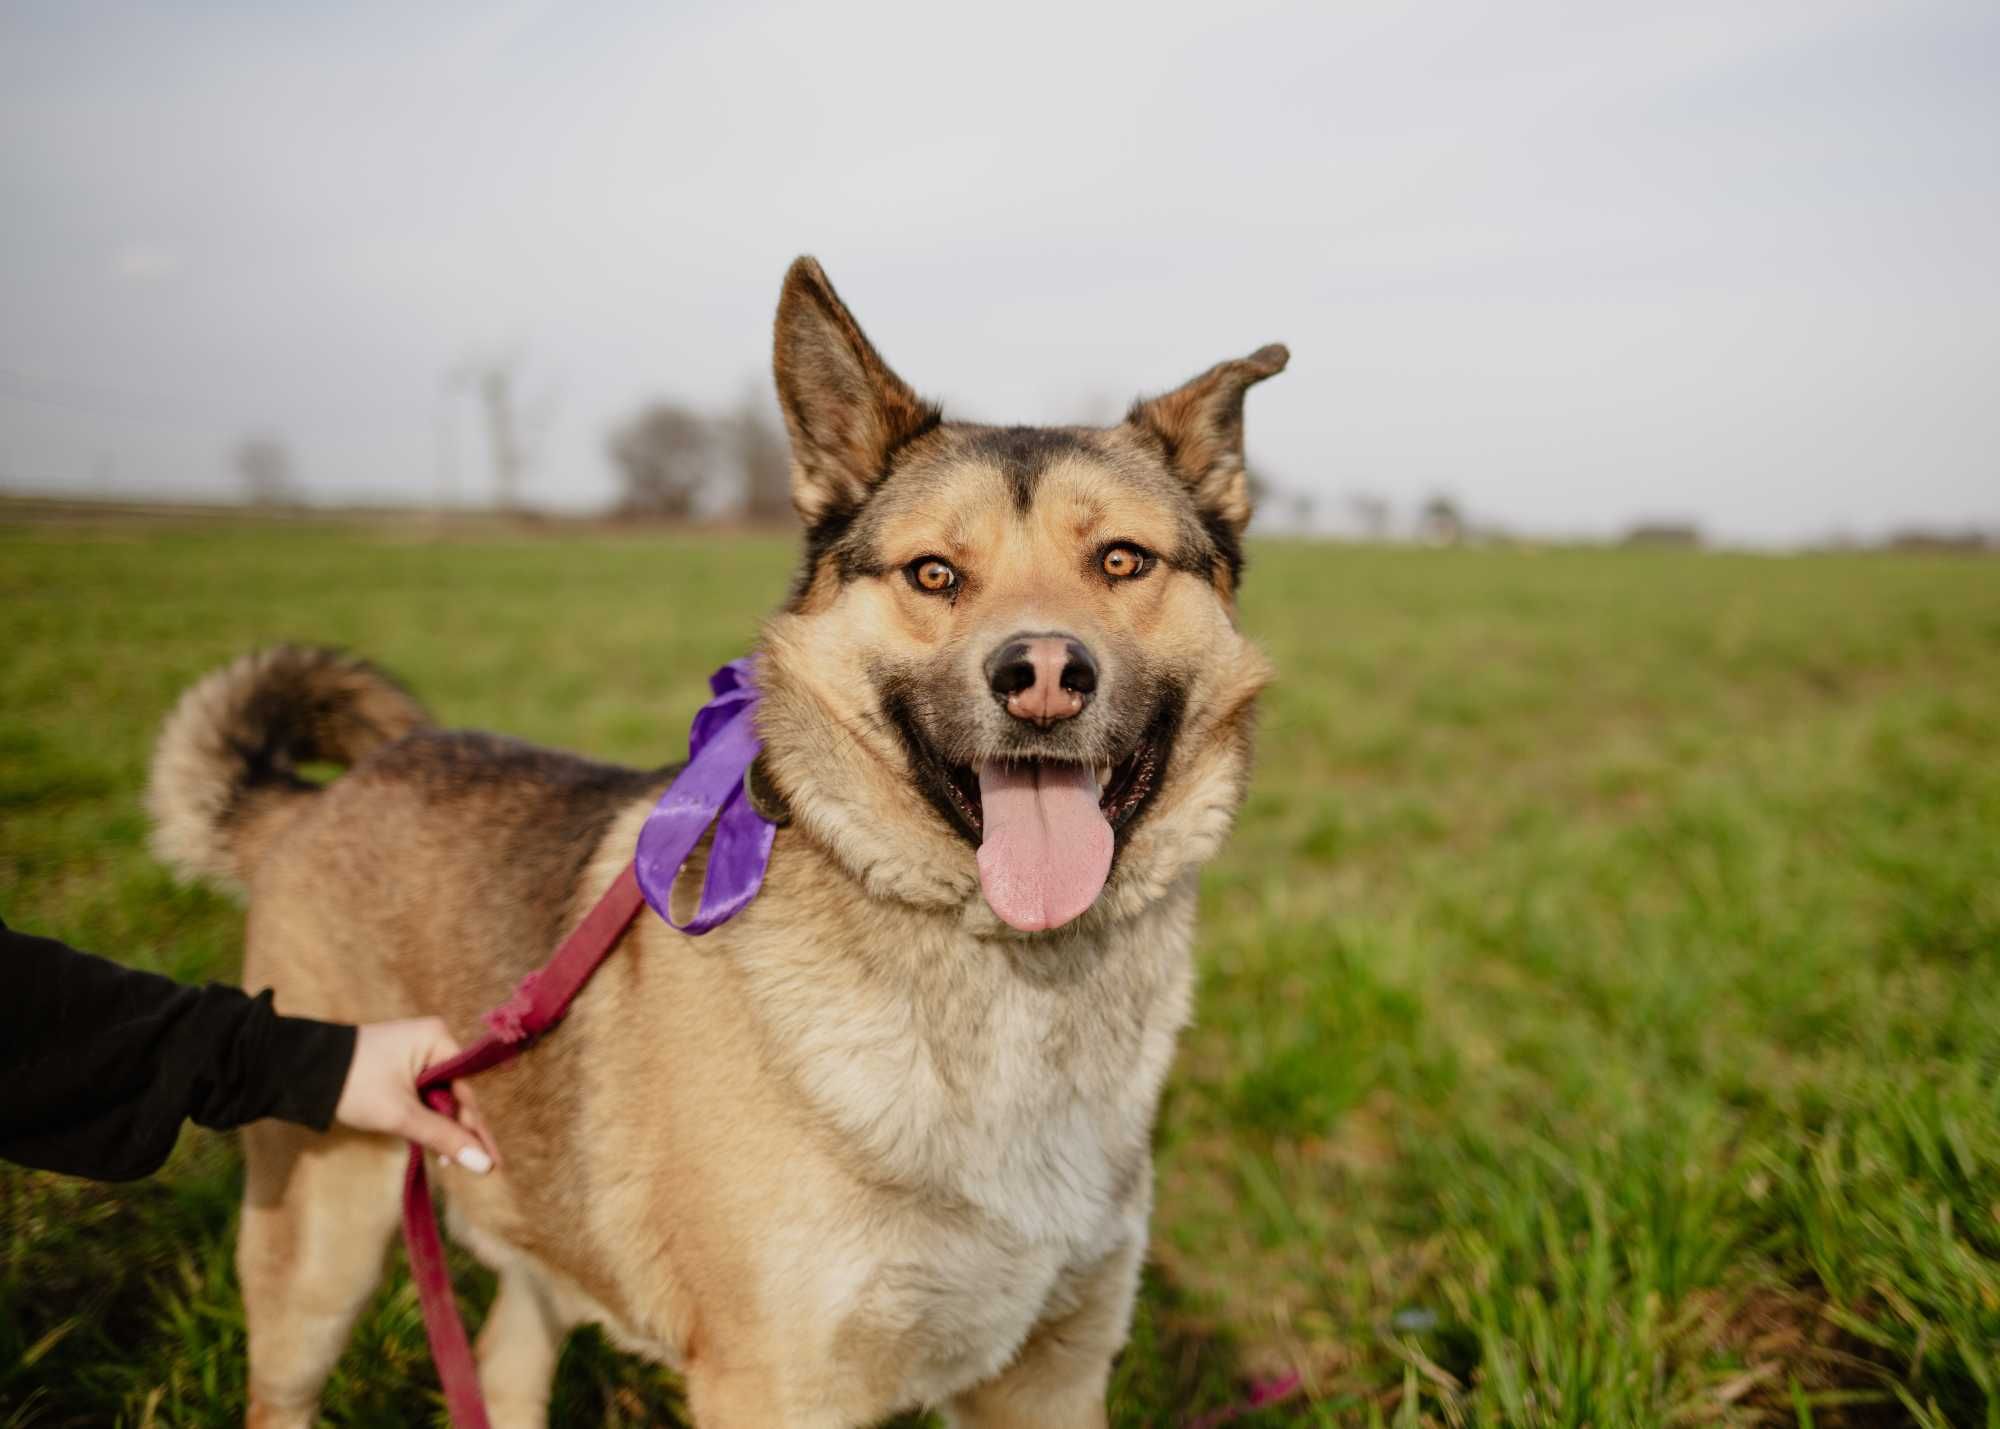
<point x="1598" y="1025"/>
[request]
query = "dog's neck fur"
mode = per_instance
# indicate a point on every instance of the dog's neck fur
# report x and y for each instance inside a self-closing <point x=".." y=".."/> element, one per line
<point x="1007" y="1076"/>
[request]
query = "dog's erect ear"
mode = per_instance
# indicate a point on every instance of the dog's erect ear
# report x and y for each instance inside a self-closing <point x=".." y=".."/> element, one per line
<point x="846" y="411"/>
<point x="1200" y="427"/>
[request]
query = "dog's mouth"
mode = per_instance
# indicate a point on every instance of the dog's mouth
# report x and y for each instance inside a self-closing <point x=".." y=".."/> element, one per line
<point x="1122" y="788"/>
<point x="1046" y="829"/>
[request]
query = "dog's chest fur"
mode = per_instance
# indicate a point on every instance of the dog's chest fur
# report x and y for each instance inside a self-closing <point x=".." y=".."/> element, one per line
<point x="994" y="1097"/>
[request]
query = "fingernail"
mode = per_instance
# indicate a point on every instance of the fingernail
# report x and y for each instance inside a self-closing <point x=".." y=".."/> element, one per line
<point x="475" y="1161"/>
<point x="443" y="1160"/>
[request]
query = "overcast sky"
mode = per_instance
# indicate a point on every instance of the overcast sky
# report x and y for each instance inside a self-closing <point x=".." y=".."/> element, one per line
<point x="1574" y="264"/>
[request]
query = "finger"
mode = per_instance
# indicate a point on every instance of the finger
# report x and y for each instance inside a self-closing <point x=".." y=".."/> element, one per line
<point x="476" y="1127"/>
<point x="438" y="1045"/>
<point x="443" y="1044"/>
<point x="445" y="1137"/>
<point x="470" y="1118"/>
<point x="468" y="1099"/>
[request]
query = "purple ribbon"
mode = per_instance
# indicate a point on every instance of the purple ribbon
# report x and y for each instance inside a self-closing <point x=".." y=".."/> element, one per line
<point x="721" y="745"/>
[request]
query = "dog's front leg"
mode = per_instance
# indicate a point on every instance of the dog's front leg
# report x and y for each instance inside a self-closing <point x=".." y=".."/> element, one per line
<point x="518" y="1348"/>
<point x="746" y="1397"/>
<point x="1058" y="1379"/>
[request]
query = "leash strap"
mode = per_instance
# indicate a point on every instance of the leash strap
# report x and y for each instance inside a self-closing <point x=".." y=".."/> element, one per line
<point x="711" y="789"/>
<point x="538" y="1003"/>
<point x="1263" y="1393"/>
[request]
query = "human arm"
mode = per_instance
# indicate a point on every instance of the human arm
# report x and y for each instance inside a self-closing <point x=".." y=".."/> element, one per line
<point x="100" y="1064"/>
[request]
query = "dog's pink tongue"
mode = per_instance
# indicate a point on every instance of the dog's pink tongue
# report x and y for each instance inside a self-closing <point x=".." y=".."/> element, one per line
<point x="1047" y="847"/>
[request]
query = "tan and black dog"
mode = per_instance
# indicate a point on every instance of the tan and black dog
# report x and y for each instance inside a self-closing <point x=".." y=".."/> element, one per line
<point x="881" y="1141"/>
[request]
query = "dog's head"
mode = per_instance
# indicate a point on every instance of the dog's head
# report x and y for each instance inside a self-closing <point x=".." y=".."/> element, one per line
<point x="1010" y="661"/>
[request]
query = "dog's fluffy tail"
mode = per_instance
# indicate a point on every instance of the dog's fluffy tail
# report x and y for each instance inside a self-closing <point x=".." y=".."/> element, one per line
<point x="226" y="770"/>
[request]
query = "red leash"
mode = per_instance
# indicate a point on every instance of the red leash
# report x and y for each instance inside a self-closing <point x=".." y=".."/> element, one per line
<point x="537" y="1005"/>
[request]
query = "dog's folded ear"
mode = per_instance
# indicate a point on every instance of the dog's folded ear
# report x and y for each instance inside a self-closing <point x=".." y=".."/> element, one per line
<point x="846" y="411"/>
<point x="1199" y="427"/>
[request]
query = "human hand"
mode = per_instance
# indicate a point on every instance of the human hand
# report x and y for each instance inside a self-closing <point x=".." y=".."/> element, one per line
<point x="381" y="1092"/>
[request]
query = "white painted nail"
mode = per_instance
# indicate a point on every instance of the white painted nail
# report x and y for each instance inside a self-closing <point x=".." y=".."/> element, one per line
<point x="443" y="1160"/>
<point x="475" y="1161"/>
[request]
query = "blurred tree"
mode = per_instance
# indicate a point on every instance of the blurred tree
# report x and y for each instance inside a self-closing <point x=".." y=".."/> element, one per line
<point x="496" y="390"/>
<point x="1280" y="508"/>
<point x="1967" y="540"/>
<point x="1371" y="515"/>
<point x="1304" y="504"/>
<point x="666" y="461"/>
<point x="764" y="459"/>
<point x="514" y="428"/>
<point x="264" y="465"/>
<point x="1663" y="533"/>
<point x="1260" y="487"/>
<point x="1441" y="523"/>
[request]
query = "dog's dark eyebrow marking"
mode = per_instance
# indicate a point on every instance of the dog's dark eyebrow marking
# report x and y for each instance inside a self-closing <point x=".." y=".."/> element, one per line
<point x="851" y="567"/>
<point x="933" y="418"/>
<point x="1023" y="454"/>
<point x="1206" y="547"/>
<point x="822" y="536"/>
<point x="1228" y="546"/>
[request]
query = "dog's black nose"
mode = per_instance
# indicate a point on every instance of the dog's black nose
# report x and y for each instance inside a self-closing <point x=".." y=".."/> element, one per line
<point x="1042" y="678"/>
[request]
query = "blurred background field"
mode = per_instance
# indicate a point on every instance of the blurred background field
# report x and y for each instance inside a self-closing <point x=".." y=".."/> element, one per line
<point x="1597" y="1025"/>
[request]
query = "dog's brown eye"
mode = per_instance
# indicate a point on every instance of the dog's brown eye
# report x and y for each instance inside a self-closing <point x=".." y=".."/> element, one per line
<point x="1123" y="562"/>
<point x="931" y="574"/>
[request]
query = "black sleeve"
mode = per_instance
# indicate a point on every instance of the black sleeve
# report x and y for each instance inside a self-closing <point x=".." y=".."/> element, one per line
<point x="100" y="1064"/>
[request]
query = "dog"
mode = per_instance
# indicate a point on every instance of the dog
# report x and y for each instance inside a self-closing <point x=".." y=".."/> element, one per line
<point x="882" y="1141"/>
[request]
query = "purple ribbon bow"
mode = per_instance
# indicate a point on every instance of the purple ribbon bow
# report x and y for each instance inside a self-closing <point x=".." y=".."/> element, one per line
<point x="721" y="745"/>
